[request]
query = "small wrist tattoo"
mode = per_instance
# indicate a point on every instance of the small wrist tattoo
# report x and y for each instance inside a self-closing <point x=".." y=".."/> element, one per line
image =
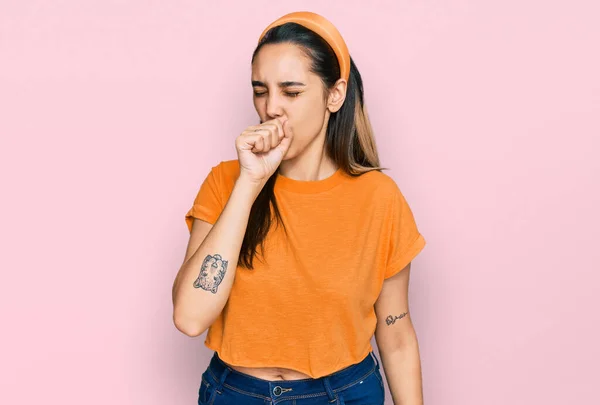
<point x="391" y="319"/>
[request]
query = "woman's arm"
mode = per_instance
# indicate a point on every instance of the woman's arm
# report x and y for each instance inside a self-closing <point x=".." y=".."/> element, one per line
<point x="397" y="341"/>
<point x="202" y="285"/>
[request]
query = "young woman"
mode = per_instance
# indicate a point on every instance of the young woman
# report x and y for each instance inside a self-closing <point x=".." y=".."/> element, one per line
<point x="300" y="248"/>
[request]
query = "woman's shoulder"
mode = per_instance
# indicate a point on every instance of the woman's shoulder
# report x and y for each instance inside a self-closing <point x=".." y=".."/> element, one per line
<point x="377" y="181"/>
<point x="226" y="172"/>
<point x="229" y="168"/>
<point x="227" y="165"/>
<point x="226" y="169"/>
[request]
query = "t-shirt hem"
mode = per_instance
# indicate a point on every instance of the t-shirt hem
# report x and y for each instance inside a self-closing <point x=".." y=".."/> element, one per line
<point x="290" y="366"/>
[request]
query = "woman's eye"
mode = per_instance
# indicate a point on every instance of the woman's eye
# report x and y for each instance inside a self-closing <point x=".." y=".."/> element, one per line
<point x="289" y="94"/>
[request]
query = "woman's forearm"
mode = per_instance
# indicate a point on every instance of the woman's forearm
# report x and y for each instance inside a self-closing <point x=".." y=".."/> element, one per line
<point x="402" y="367"/>
<point x="202" y="286"/>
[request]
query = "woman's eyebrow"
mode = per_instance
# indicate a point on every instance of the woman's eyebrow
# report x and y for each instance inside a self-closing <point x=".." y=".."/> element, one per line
<point x="280" y="84"/>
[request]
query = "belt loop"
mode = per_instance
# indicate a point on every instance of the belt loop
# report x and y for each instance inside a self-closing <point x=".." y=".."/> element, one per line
<point x="372" y="353"/>
<point x="332" y="396"/>
<point x="222" y="379"/>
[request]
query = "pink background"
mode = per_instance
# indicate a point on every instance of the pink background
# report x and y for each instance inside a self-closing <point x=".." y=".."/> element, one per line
<point x="112" y="113"/>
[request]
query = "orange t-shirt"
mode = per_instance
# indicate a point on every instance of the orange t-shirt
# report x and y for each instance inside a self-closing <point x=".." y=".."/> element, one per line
<point x="310" y="305"/>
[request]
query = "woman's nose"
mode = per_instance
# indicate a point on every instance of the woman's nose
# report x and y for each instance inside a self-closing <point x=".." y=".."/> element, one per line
<point x="274" y="108"/>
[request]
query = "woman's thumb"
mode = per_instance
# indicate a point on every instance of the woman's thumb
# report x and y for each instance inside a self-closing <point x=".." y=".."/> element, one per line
<point x="287" y="129"/>
<point x="288" y="135"/>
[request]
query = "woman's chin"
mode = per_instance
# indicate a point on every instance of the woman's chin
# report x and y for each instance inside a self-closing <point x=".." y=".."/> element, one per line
<point x="289" y="154"/>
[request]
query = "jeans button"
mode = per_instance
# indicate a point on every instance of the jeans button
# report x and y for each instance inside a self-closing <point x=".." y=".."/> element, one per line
<point x="277" y="391"/>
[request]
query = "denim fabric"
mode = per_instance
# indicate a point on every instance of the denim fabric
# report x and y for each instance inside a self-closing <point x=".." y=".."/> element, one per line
<point x="359" y="383"/>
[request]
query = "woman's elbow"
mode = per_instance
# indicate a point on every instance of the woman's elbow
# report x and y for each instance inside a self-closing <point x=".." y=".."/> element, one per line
<point x="188" y="328"/>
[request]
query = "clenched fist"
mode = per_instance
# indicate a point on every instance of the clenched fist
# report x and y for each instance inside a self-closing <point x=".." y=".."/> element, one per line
<point x="261" y="149"/>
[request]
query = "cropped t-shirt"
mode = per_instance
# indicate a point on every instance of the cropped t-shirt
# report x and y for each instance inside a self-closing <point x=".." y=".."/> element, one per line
<point x="308" y="304"/>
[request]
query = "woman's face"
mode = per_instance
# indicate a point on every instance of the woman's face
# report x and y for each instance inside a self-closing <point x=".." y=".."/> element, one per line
<point x="284" y="88"/>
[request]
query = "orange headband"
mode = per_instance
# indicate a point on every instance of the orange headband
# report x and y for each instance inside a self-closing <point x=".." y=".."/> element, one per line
<point x="325" y="29"/>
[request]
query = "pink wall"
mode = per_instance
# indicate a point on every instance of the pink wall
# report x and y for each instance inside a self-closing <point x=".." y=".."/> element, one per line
<point x="112" y="112"/>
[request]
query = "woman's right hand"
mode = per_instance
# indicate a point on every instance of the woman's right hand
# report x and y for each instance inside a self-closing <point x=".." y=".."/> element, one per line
<point x="261" y="149"/>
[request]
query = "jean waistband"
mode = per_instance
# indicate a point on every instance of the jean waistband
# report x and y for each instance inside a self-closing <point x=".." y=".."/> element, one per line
<point x="326" y="385"/>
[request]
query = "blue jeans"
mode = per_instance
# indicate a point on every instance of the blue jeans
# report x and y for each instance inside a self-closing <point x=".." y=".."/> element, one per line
<point x="359" y="383"/>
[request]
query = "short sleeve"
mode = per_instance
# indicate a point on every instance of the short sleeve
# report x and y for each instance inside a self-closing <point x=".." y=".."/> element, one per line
<point x="207" y="204"/>
<point x="405" y="240"/>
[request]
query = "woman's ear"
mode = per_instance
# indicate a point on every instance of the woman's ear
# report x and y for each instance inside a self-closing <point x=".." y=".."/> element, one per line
<point x="337" y="95"/>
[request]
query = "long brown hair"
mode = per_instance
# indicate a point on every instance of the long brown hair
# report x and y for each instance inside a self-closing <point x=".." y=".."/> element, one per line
<point x="349" y="139"/>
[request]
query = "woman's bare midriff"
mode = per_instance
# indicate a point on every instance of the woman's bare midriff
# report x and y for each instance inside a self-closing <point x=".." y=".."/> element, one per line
<point x="271" y="373"/>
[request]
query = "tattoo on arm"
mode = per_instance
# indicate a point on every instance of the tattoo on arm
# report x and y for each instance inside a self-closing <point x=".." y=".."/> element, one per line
<point x="391" y="319"/>
<point x="212" y="273"/>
